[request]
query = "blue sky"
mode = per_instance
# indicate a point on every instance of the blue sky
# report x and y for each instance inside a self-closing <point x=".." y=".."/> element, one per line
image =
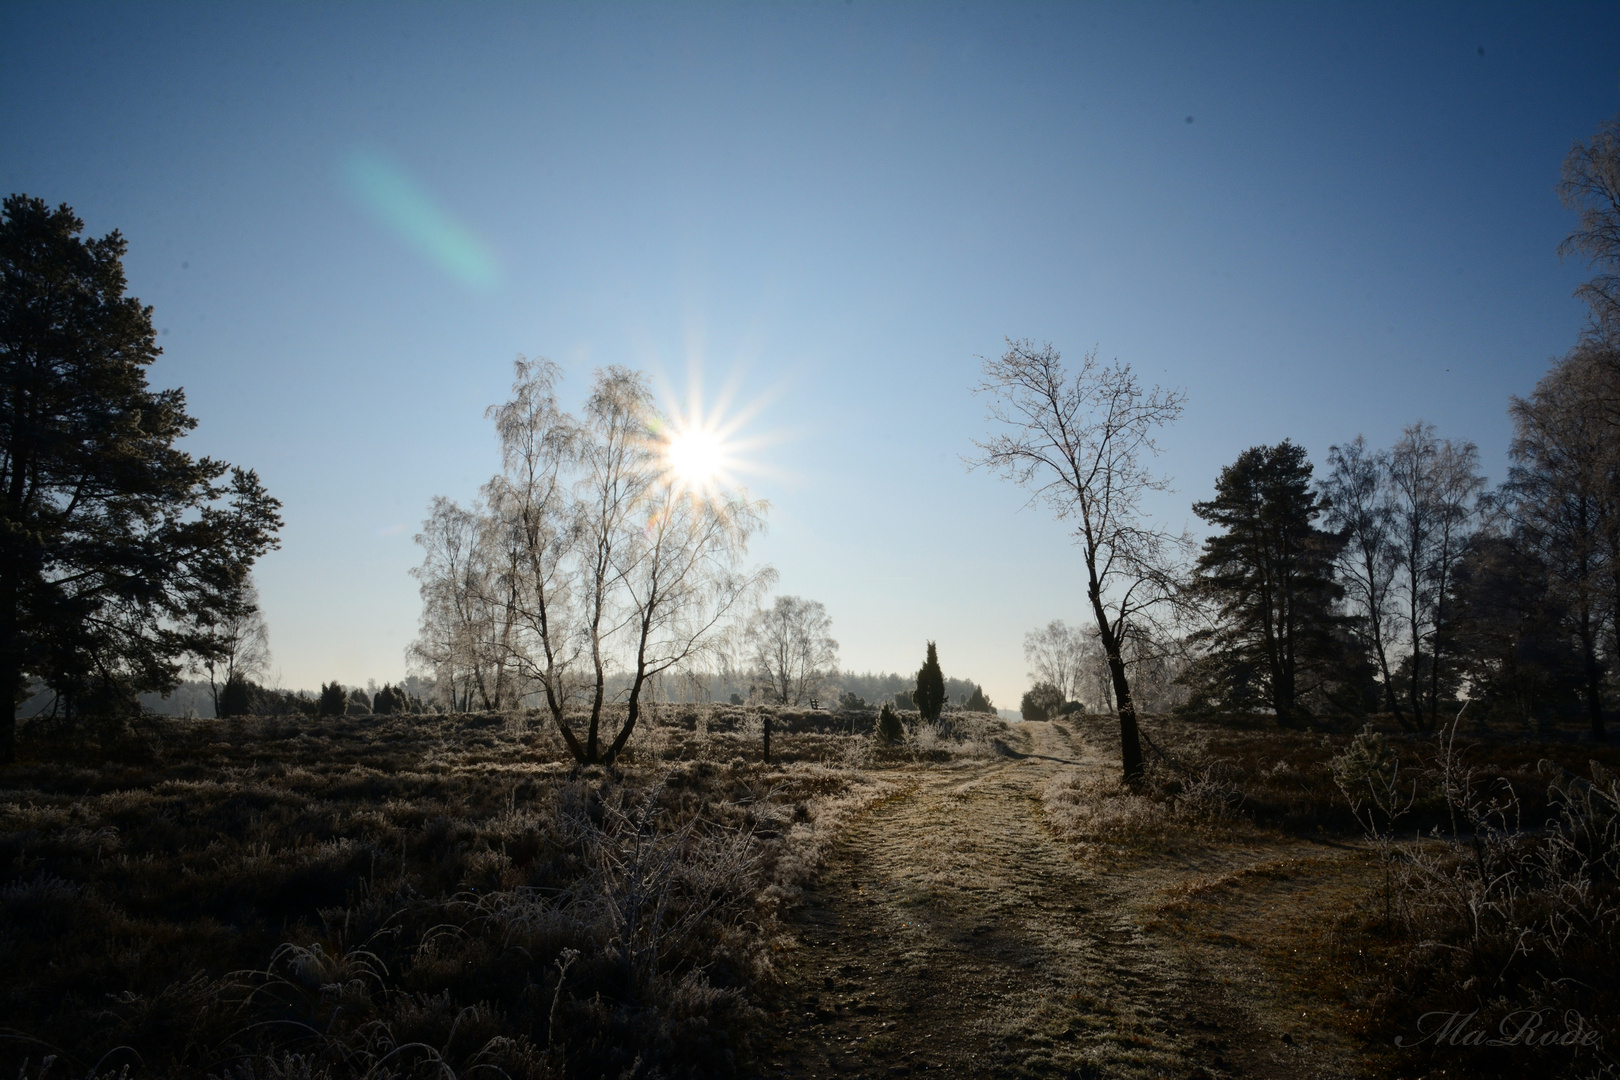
<point x="1319" y="219"/>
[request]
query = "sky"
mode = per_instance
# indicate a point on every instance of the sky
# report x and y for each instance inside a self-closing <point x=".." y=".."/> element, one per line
<point x="1319" y="220"/>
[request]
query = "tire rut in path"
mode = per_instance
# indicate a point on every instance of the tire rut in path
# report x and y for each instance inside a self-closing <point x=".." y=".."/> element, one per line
<point x="951" y="933"/>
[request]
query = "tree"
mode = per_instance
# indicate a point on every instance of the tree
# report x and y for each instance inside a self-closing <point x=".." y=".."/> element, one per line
<point x="1515" y="655"/>
<point x="462" y="617"/>
<point x="236" y="649"/>
<point x="115" y="546"/>
<point x="1562" y="492"/>
<point x="1269" y="575"/>
<point x="1041" y="702"/>
<point x="333" y="700"/>
<point x="1360" y="509"/>
<point x="929" y="697"/>
<point x="791" y="649"/>
<point x="1057" y="654"/>
<point x="1435" y="486"/>
<point x="978" y="702"/>
<point x="1591" y="187"/>
<point x="235" y="698"/>
<point x="1080" y="445"/>
<point x="591" y="565"/>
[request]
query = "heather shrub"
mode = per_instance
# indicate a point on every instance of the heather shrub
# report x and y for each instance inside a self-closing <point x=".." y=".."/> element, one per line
<point x="889" y="728"/>
<point x="422" y="896"/>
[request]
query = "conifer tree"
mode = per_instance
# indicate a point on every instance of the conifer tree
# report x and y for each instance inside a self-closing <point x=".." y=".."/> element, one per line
<point x="888" y="725"/>
<point x="334" y="699"/>
<point x="1268" y="576"/>
<point x="930" y="695"/>
<point x="117" y="549"/>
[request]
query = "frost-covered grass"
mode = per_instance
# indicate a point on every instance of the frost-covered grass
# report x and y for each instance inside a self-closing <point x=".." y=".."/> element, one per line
<point x="401" y="896"/>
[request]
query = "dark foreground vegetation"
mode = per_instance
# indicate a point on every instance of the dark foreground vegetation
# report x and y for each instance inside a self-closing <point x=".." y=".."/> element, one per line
<point x="409" y="895"/>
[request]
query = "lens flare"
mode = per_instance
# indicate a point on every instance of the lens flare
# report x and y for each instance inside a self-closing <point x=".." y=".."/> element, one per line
<point x="406" y="208"/>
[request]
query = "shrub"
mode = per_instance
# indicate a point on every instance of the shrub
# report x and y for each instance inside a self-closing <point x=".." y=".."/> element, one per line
<point x="1041" y="702"/>
<point x="237" y="698"/>
<point x="978" y="702"/>
<point x="388" y="701"/>
<point x="888" y="725"/>
<point x="333" y="700"/>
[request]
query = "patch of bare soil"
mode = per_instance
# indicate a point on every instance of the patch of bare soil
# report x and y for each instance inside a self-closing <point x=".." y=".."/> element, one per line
<point x="952" y="933"/>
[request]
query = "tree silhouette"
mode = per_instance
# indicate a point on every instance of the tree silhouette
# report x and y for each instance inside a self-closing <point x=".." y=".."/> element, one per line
<point x="930" y="694"/>
<point x="116" y="548"/>
<point x="1269" y="573"/>
<point x="1080" y="445"/>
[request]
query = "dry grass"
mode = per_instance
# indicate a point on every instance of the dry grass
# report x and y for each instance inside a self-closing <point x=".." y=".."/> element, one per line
<point x="1488" y="888"/>
<point x="404" y="896"/>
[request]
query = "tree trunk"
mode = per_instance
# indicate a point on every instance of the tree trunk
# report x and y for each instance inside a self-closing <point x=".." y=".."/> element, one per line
<point x="10" y="664"/>
<point x="767" y="719"/>
<point x="1594" y="675"/>
<point x="1130" y="741"/>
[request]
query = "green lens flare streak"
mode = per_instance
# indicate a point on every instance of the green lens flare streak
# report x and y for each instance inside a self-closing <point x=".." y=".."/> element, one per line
<point x="408" y="211"/>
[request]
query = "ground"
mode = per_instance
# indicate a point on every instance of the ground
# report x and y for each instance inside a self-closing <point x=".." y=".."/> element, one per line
<point x="951" y="931"/>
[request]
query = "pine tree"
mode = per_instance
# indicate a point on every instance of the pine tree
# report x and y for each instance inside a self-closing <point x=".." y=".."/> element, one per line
<point x="1269" y="575"/>
<point x="930" y="695"/>
<point x="117" y="549"/>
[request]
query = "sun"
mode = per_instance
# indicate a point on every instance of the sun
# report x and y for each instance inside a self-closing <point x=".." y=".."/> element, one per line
<point x="695" y="457"/>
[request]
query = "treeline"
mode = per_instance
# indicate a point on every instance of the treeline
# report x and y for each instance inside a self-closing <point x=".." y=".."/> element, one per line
<point x="1397" y="582"/>
<point x="1401" y="582"/>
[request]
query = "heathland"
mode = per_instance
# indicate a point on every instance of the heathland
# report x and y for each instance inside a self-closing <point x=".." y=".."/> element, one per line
<point x="426" y="895"/>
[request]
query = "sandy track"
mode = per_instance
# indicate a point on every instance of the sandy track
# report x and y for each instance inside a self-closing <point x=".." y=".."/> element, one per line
<point x="950" y="932"/>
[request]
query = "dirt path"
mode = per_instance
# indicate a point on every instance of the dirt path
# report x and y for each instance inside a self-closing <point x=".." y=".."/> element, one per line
<point x="952" y="933"/>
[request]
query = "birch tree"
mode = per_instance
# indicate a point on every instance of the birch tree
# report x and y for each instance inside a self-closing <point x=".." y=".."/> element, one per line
<point x="1360" y="509"/>
<point x="1080" y="444"/>
<point x="792" y="648"/>
<point x="590" y="570"/>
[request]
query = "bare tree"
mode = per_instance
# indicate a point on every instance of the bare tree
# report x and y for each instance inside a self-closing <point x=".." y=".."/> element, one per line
<point x="1056" y="654"/>
<point x="537" y="526"/>
<point x="462" y="614"/>
<point x="792" y="649"/>
<point x="1591" y="187"/>
<point x="1436" y="485"/>
<point x="1080" y="444"/>
<point x="238" y="643"/>
<point x="590" y="567"/>
<point x="1360" y="509"/>
<point x="1562" y="485"/>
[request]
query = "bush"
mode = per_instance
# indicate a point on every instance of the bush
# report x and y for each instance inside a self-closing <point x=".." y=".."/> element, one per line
<point x="389" y="701"/>
<point x="1041" y="702"/>
<point x="978" y="702"/>
<point x="888" y="725"/>
<point x="236" y="698"/>
<point x="333" y="700"/>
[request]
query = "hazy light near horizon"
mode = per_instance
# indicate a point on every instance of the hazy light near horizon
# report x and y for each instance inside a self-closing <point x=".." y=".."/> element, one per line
<point x="402" y="205"/>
